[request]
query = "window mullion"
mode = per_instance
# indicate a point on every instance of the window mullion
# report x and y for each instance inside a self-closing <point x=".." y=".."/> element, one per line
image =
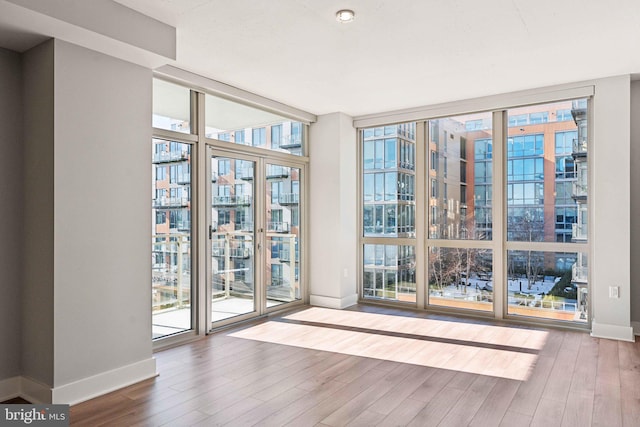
<point x="422" y="273"/>
<point x="499" y="213"/>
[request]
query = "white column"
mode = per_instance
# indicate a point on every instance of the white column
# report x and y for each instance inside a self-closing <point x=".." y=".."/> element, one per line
<point x="610" y="205"/>
<point x="333" y="212"/>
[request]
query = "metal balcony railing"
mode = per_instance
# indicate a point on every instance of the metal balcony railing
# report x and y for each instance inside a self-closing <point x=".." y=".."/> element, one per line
<point x="244" y="226"/>
<point x="579" y="231"/>
<point x="579" y="273"/>
<point x="232" y="200"/>
<point x="170" y="156"/>
<point x="285" y="255"/>
<point x="274" y="171"/>
<point x="218" y="249"/>
<point x="579" y="104"/>
<point x="289" y="199"/>
<point x="579" y="147"/>
<point x="291" y="141"/>
<point x="183" y="225"/>
<point x="245" y="173"/>
<point x="278" y="227"/>
<point x="184" y="178"/>
<point x="171" y="202"/>
<point x="579" y="190"/>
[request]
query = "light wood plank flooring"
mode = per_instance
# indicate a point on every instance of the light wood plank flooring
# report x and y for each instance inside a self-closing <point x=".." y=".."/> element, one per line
<point x="375" y="366"/>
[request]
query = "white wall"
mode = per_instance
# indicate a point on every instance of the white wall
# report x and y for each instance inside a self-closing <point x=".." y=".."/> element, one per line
<point x="11" y="212"/>
<point x="635" y="204"/>
<point x="86" y="311"/>
<point x="102" y="213"/>
<point x="333" y="206"/>
<point x="610" y="219"/>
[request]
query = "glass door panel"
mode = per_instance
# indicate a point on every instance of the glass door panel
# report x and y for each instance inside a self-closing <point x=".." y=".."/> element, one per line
<point x="282" y="204"/>
<point x="171" y="238"/>
<point x="232" y="237"/>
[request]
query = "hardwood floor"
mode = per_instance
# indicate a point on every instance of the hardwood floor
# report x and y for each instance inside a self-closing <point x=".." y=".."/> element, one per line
<point x="378" y="366"/>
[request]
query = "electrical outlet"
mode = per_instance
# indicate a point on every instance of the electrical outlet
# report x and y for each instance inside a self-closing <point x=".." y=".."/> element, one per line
<point x="614" y="292"/>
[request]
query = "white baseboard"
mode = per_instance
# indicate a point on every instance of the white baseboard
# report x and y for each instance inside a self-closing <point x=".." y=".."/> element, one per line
<point x="636" y="328"/>
<point x="9" y="388"/>
<point x="34" y="391"/>
<point x="97" y="385"/>
<point x="331" y="302"/>
<point x="614" y="332"/>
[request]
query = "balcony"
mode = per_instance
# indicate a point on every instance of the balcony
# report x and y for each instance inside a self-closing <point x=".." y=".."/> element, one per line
<point x="579" y="232"/>
<point x="285" y="255"/>
<point x="171" y="203"/>
<point x="182" y="226"/>
<point x="278" y="227"/>
<point x="170" y="157"/>
<point x="579" y="274"/>
<point x="231" y="200"/>
<point x="291" y="141"/>
<point x="245" y="174"/>
<point x="289" y="199"/>
<point x="579" y="109"/>
<point x="244" y="226"/>
<point x="579" y="192"/>
<point x="183" y="179"/>
<point x="218" y="250"/>
<point x="274" y="172"/>
<point x="579" y="148"/>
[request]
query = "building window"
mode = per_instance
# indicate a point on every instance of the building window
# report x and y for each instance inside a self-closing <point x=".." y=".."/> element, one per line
<point x="259" y="137"/>
<point x="224" y="167"/>
<point x="276" y="136"/>
<point x="564" y="115"/>
<point x="238" y="137"/>
<point x="224" y="216"/>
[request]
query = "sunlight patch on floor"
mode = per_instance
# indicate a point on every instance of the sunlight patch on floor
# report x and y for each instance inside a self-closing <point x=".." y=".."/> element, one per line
<point x="478" y="349"/>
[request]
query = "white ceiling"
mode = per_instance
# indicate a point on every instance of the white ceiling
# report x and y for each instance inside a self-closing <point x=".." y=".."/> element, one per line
<point x="399" y="53"/>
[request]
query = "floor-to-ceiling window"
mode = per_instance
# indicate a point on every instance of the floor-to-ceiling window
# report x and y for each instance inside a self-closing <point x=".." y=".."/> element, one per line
<point x="172" y="283"/>
<point x="460" y="199"/>
<point x="388" y="212"/>
<point x="505" y="211"/>
<point x="228" y="211"/>
<point x="547" y="209"/>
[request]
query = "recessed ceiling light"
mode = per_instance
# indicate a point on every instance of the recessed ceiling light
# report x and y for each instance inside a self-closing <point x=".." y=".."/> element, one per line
<point x="345" y="15"/>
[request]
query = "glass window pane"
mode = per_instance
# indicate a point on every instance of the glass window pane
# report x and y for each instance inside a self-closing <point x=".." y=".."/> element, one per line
<point x="461" y="278"/>
<point x="233" y="122"/>
<point x="171" y="106"/>
<point x="450" y="166"/>
<point x="388" y="180"/>
<point x="171" y="240"/>
<point x="533" y="193"/>
<point x="283" y="233"/>
<point x="548" y="285"/>
<point x="389" y="273"/>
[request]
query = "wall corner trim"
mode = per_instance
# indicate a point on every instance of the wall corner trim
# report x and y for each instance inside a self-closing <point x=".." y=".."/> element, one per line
<point x="331" y="302"/>
<point x="9" y="388"/>
<point x="34" y="391"/>
<point x="613" y="332"/>
<point x="105" y="382"/>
